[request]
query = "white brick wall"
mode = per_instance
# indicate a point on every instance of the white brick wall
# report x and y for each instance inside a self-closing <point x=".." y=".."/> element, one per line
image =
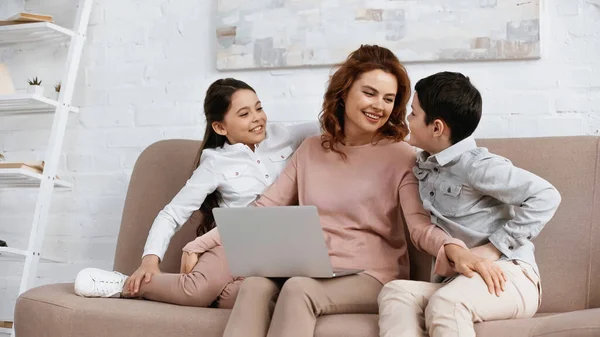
<point x="10" y="7"/>
<point x="146" y="66"/>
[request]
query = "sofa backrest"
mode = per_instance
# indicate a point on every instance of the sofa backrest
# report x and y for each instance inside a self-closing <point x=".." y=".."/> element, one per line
<point x="568" y="249"/>
<point x="159" y="173"/>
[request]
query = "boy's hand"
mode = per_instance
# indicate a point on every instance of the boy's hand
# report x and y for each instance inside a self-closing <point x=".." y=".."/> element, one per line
<point x="467" y="263"/>
<point x="188" y="262"/>
<point x="487" y="251"/>
<point x="145" y="271"/>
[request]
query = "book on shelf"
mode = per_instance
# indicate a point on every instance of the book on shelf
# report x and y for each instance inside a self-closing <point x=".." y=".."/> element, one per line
<point x="37" y="166"/>
<point x="24" y="17"/>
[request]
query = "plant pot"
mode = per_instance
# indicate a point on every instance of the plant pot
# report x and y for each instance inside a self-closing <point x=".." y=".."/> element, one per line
<point x="36" y="90"/>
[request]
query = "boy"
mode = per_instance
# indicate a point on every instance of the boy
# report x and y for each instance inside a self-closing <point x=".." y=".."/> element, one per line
<point x="480" y="198"/>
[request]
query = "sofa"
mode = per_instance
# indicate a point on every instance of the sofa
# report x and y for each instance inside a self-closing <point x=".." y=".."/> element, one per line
<point x="568" y="252"/>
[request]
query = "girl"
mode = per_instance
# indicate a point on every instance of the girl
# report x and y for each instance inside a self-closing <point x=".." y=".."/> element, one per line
<point x="239" y="157"/>
<point x="359" y="176"/>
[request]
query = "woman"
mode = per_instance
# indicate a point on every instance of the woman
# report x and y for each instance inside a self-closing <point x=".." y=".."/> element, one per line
<point x="359" y="176"/>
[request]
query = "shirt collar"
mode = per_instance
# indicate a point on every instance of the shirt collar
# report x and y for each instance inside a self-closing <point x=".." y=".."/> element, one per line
<point x="449" y="154"/>
<point x="240" y="146"/>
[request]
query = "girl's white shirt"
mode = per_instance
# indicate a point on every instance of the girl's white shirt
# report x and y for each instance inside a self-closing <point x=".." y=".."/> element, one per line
<point x="237" y="172"/>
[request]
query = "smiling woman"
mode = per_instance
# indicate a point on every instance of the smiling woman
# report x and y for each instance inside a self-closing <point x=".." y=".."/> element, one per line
<point x="366" y="99"/>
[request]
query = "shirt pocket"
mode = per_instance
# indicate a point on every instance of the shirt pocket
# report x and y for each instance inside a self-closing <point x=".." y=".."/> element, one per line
<point x="448" y="198"/>
<point x="239" y="179"/>
<point x="281" y="155"/>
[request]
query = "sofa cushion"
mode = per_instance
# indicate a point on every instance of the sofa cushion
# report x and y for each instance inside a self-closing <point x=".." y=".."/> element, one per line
<point x="55" y="311"/>
<point x="583" y="323"/>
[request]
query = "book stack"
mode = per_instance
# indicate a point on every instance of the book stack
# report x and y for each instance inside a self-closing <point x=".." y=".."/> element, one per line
<point x="23" y="17"/>
<point x="37" y="167"/>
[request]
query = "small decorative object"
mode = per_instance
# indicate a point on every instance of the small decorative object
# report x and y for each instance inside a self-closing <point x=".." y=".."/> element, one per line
<point x="57" y="90"/>
<point x="6" y="83"/>
<point x="3" y="243"/>
<point x="1" y="157"/>
<point x="35" y="86"/>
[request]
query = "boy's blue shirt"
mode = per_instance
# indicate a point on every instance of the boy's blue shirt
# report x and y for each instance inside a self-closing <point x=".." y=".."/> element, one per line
<point x="480" y="197"/>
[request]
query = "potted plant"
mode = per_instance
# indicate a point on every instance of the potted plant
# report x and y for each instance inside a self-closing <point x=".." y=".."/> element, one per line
<point x="57" y="90"/>
<point x="35" y="87"/>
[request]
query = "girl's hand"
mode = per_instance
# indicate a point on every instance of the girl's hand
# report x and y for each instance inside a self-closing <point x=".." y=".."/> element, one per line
<point x="188" y="262"/>
<point x="144" y="273"/>
<point x="467" y="263"/>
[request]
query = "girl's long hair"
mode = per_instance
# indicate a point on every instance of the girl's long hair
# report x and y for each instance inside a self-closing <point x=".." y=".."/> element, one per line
<point x="216" y="104"/>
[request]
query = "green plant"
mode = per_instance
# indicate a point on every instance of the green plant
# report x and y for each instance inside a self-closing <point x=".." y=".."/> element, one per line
<point x="57" y="87"/>
<point x="34" y="81"/>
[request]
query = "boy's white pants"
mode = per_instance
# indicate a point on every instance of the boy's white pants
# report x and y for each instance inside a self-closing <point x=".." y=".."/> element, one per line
<point x="414" y="308"/>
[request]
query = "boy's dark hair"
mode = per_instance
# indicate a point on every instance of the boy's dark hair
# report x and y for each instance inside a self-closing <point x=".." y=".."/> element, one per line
<point x="452" y="98"/>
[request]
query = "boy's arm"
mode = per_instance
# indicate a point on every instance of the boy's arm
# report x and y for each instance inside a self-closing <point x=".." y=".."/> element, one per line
<point x="534" y="199"/>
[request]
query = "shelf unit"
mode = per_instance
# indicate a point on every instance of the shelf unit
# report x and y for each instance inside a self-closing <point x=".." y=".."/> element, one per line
<point x="39" y="32"/>
<point x="42" y="34"/>
<point x="13" y="254"/>
<point x="23" y="178"/>
<point x="19" y="104"/>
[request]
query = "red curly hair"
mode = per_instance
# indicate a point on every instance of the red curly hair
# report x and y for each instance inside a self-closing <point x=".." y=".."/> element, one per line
<point x="364" y="59"/>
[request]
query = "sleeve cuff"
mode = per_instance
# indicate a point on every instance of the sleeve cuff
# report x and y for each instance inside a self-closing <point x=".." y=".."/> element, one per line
<point x="443" y="266"/>
<point x="149" y="252"/>
<point x="504" y="242"/>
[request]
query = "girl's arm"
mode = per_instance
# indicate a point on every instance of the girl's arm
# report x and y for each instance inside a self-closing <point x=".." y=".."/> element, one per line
<point x="300" y="131"/>
<point x="178" y="211"/>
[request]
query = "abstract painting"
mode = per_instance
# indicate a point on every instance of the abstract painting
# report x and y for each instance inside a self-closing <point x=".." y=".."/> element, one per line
<point x="293" y="33"/>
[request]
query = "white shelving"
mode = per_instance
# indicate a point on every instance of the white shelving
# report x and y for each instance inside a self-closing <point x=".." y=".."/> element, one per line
<point x="28" y="104"/>
<point x="39" y="32"/>
<point x="5" y="331"/>
<point x="23" y="178"/>
<point x="42" y="33"/>
<point x="9" y="253"/>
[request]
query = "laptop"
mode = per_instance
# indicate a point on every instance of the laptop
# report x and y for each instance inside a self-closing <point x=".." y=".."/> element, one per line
<point x="281" y="241"/>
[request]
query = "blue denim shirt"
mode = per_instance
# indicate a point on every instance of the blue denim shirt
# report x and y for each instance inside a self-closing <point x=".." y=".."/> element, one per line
<point x="480" y="197"/>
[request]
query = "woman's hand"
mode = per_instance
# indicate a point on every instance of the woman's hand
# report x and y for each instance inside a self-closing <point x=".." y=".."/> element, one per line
<point x="188" y="262"/>
<point x="144" y="273"/>
<point x="467" y="263"/>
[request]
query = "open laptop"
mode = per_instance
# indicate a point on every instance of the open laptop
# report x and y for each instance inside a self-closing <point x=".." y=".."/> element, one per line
<point x="282" y="241"/>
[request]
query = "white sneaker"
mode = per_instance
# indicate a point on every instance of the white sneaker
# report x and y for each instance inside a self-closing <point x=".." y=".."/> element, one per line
<point x="94" y="282"/>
